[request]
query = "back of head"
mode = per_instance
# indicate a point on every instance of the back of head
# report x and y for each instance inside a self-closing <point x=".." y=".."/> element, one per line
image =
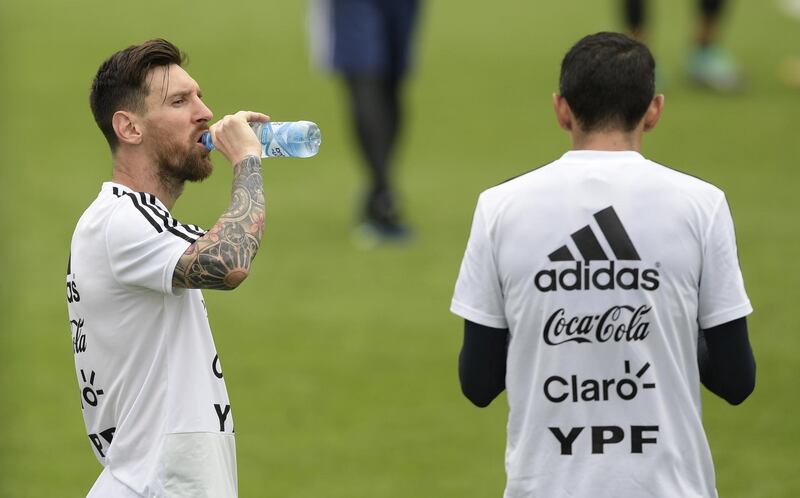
<point x="121" y="82"/>
<point x="608" y="80"/>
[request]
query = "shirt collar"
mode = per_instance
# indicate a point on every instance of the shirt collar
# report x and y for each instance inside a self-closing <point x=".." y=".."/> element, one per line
<point x="601" y="155"/>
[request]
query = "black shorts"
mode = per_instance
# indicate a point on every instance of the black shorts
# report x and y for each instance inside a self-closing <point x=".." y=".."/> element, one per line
<point x="364" y="36"/>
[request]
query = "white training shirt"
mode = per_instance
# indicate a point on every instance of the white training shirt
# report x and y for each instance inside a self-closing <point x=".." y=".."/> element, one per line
<point x="603" y="265"/>
<point x="152" y="391"/>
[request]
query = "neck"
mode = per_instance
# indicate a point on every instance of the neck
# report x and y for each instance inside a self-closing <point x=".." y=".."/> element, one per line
<point x="141" y="175"/>
<point x="611" y="140"/>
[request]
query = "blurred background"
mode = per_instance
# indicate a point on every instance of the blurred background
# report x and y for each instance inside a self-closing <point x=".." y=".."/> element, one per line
<point x="341" y="363"/>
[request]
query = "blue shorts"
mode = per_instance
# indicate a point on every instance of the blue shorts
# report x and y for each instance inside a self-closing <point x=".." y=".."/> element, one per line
<point x="371" y="37"/>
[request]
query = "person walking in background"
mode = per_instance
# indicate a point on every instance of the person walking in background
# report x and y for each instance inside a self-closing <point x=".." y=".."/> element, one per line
<point x="789" y="69"/>
<point x="153" y="396"/>
<point x="599" y="290"/>
<point x="708" y="64"/>
<point x="369" y="43"/>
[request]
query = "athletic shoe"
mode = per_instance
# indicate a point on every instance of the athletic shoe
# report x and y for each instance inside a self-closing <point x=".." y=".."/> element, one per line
<point x="369" y="235"/>
<point x="714" y="68"/>
<point x="381" y="223"/>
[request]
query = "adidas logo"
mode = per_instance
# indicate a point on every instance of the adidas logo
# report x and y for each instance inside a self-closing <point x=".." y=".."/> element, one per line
<point x="609" y="276"/>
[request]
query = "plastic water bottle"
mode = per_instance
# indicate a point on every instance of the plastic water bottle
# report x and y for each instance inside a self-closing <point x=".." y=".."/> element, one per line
<point x="283" y="139"/>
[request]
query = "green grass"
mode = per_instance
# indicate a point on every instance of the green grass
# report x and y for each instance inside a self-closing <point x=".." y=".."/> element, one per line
<point x="340" y="363"/>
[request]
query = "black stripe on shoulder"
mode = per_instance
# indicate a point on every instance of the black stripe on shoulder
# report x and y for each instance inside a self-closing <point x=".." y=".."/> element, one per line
<point x="685" y="173"/>
<point x="148" y="200"/>
<point x="522" y="174"/>
<point x="135" y="201"/>
<point x="168" y="219"/>
<point x="171" y="224"/>
<point x="182" y="235"/>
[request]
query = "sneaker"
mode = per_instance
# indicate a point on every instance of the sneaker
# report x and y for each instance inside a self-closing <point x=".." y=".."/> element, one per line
<point x="714" y="68"/>
<point x="369" y="235"/>
<point x="381" y="223"/>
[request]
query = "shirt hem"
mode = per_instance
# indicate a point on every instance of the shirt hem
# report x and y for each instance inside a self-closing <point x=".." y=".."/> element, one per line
<point x="726" y="316"/>
<point x="476" y="316"/>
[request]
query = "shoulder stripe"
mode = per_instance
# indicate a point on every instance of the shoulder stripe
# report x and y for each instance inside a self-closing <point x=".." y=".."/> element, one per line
<point x="168" y="222"/>
<point x="158" y="218"/>
<point x="686" y="174"/>
<point x="522" y="174"/>
<point x="119" y="193"/>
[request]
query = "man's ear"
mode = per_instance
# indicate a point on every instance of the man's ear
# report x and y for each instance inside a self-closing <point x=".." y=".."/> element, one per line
<point x="126" y="126"/>
<point x="653" y="113"/>
<point x="563" y="113"/>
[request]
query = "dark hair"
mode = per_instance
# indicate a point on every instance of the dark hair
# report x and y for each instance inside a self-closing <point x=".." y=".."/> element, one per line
<point x="608" y="80"/>
<point x="120" y="82"/>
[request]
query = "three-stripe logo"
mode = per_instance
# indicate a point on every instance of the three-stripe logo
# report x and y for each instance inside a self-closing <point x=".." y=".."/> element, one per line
<point x="158" y="217"/>
<point x="582" y="276"/>
<point x="590" y="248"/>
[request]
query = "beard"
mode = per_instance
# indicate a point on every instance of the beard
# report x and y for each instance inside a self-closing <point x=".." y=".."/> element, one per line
<point x="178" y="163"/>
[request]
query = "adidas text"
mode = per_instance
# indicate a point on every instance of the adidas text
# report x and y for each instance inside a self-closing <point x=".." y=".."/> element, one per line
<point x="607" y="277"/>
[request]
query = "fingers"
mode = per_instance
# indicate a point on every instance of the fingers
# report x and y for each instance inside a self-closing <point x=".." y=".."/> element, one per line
<point x="243" y="116"/>
<point x="252" y="116"/>
<point x="234" y="138"/>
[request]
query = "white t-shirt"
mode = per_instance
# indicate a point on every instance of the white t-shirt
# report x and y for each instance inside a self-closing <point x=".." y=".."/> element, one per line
<point x="152" y="392"/>
<point x="603" y="265"/>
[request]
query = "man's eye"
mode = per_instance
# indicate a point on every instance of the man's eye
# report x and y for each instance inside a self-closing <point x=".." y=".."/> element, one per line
<point x="178" y="102"/>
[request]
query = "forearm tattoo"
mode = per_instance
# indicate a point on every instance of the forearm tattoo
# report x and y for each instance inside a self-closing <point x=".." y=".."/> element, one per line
<point x="221" y="258"/>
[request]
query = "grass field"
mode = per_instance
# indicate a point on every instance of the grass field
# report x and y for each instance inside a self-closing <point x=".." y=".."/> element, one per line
<point x="340" y="363"/>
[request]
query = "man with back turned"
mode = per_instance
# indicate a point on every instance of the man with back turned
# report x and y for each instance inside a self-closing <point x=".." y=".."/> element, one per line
<point x="599" y="290"/>
<point x="152" y="391"/>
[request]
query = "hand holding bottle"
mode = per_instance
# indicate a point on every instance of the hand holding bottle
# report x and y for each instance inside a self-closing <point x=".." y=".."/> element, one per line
<point x="281" y="138"/>
<point x="233" y="136"/>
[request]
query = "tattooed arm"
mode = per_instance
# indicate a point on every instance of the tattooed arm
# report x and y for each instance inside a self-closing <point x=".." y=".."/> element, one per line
<point x="221" y="258"/>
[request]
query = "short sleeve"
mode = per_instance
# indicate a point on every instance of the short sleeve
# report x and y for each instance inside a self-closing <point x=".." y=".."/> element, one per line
<point x="722" y="295"/>
<point x="144" y="244"/>
<point x="478" y="295"/>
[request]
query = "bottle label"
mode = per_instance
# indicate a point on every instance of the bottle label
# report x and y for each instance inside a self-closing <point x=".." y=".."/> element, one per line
<point x="273" y="148"/>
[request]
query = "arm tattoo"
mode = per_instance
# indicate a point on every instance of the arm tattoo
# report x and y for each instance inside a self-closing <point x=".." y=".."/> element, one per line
<point x="221" y="258"/>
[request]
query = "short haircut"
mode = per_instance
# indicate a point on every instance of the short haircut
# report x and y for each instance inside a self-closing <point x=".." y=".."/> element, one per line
<point x="608" y="80"/>
<point x="121" y="82"/>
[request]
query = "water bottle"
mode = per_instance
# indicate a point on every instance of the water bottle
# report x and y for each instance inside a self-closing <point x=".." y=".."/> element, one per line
<point x="282" y="139"/>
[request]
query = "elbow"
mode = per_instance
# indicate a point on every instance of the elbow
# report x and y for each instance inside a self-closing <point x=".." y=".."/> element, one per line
<point x="744" y="391"/>
<point x="481" y="403"/>
<point x="744" y="386"/>
<point x="736" y="401"/>
<point x="234" y="278"/>
<point x="737" y="398"/>
<point x="479" y="399"/>
<point x="480" y="393"/>
<point x="239" y="268"/>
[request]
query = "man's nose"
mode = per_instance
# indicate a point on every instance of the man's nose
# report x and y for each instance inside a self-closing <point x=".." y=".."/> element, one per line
<point x="204" y="113"/>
